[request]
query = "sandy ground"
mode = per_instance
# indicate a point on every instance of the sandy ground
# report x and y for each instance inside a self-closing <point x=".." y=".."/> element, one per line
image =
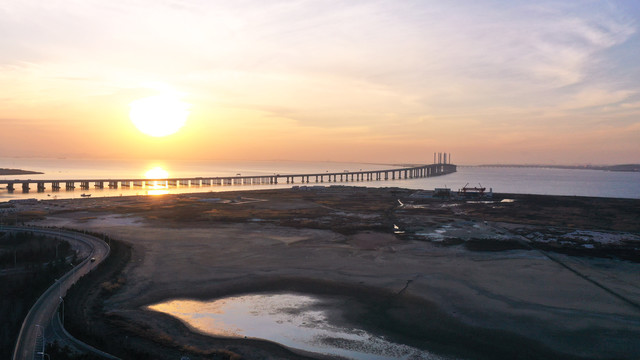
<point x="521" y="291"/>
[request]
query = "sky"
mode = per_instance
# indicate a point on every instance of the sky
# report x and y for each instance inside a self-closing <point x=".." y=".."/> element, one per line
<point x="511" y="82"/>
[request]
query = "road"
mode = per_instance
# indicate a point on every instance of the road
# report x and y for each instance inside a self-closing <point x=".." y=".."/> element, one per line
<point x="38" y="321"/>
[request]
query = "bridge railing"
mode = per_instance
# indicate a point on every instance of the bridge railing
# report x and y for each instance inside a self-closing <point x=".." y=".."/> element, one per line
<point x="345" y="176"/>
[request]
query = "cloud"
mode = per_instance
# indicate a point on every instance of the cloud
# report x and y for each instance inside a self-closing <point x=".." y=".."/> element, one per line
<point x="385" y="70"/>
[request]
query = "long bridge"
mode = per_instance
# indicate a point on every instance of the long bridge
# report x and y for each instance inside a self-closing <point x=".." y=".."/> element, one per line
<point x="421" y="171"/>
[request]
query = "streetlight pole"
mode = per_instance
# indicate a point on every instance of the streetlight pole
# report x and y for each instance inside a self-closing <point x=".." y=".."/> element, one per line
<point x="62" y="315"/>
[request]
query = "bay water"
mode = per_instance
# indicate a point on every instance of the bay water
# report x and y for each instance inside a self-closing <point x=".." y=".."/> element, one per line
<point x="546" y="181"/>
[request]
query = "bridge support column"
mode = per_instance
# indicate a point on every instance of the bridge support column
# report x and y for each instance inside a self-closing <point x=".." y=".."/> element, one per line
<point x="99" y="184"/>
<point x="55" y="186"/>
<point x="70" y="185"/>
<point x="25" y="186"/>
<point x="41" y="186"/>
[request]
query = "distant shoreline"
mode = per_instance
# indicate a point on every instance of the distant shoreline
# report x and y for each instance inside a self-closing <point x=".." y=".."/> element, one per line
<point x="622" y="167"/>
<point x="18" y="172"/>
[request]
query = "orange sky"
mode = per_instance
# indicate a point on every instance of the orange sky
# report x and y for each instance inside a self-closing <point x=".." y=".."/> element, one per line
<point x="551" y="82"/>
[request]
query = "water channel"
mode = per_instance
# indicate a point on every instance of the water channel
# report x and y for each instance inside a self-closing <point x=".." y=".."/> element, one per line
<point x="297" y="321"/>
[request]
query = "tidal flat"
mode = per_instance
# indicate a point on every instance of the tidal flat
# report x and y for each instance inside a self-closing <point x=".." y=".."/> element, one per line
<point x="528" y="278"/>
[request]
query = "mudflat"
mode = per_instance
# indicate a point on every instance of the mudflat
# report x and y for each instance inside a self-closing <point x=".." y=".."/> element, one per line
<point x="515" y="276"/>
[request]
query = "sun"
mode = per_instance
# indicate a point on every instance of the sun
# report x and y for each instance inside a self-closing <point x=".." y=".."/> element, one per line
<point x="159" y="115"/>
<point x="157" y="173"/>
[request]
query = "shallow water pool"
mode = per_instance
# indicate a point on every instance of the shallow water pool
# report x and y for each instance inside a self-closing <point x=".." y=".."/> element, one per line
<point x="294" y="320"/>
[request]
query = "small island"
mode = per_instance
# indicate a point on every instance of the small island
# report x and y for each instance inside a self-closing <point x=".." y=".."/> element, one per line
<point x="18" y="172"/>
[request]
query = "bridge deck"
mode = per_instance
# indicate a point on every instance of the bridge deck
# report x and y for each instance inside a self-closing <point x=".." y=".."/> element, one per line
<point x="346" y="176"/>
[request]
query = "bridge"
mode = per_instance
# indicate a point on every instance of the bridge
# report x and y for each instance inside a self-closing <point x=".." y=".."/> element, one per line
<point x="421" y="171"/>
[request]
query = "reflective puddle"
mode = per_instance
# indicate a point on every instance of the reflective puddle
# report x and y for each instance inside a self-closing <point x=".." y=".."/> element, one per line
<point x="293" y="320"/>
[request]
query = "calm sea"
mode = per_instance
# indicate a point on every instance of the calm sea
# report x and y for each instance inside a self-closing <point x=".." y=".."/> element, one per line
<point x="504" y="180"/>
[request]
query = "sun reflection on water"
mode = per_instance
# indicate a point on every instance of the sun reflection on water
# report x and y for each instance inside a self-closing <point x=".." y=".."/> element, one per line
<point x="157" y="184"/>
<point x="157" y="191"/>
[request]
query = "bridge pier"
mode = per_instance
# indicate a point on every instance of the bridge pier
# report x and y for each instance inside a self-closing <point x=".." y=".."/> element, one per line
<point x="423" y="171"/>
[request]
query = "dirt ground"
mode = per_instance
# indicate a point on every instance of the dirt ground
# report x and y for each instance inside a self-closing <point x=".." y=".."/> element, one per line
<point x="529" y="277"/>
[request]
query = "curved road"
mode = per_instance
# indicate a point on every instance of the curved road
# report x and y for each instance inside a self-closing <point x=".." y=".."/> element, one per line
<point x="37" y="322"/>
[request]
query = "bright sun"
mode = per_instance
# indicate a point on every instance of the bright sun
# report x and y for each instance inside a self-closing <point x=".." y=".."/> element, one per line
<point x="157" y="173"/>
<point x="159" y="115"/>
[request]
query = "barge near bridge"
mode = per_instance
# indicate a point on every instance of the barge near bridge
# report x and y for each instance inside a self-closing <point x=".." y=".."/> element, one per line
<point x="420" y="171"/>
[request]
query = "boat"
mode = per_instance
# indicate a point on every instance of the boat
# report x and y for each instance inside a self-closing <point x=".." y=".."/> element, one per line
<point x="86" y="195"/>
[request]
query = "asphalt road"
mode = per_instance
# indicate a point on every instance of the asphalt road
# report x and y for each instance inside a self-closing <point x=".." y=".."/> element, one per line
<point x="38" y="321"/>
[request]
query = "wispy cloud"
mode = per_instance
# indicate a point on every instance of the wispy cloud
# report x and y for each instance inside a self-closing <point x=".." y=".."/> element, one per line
<point x="391" y="70"/>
